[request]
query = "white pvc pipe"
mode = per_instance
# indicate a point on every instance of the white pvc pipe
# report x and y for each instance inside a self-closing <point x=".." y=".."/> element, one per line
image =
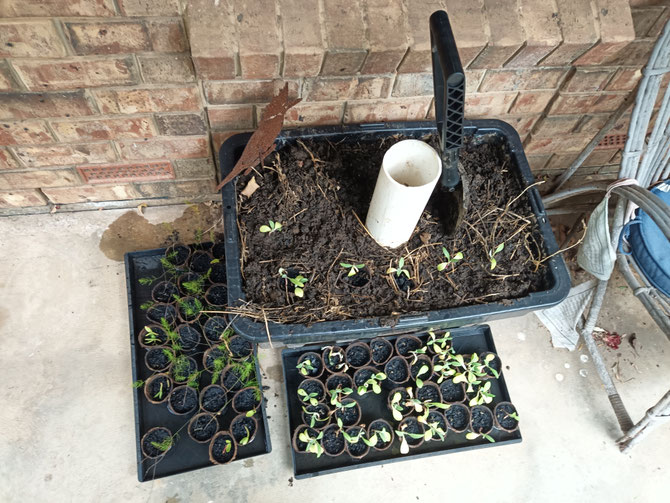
<point x="410" y="169"/>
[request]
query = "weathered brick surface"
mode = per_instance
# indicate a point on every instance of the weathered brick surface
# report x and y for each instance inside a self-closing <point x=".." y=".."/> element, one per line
<point x="303" y="42"/>
<point x="568" y="104"/>
<point x="132" y="101"/>
<point x="345" y="37"/>
<point x="260" y="49"/>
<point x="29" y="8"/>
<point x="413" y="84"/>
<point x="557" y="125"/>
<point x="231" y="117"/>
<point x="645" y="18"/>
<point x="387" y="36"/>
<point x="506" y="37"/>
<point x="164" y="148"/>
<point x="417" y="59"/>
<point x="7" y="161"/>
<point x="167" y="35"/>
<point x="488" y="104"/>
<point x="38" y="178"/>
<point x="213" y="49"/>
<point x="167" y="69"/>
<point x="565" y="143"/>
<point x="181" y="124"/>
<point x="37" y="105"/>
<point x="311" y="114"/>
<point x="240" y="92"/>
<point x="64" y="155"/>
<point x="108" y="37"/>
<point x="194" y="168"/>
<point x="540" y="24"/>
<point x="580" y="30"/>
<point x="25" y="133"/>
<point x="586" y="80"/>
<point x="624" y="80"/>
<point x="468" y="23"/>
<point x="45" y="75"/>
<point x="386" y="110"/>
<point x="344" y="88"/>
<point x="103" y="129"/>
<point x="177" y="189"/>
<point x="21" y="198"/>
<point x="38" y="39"/>
<point x="616" y="30"/>
<point x="7" y="81"/>
<point x="527" y="79"/>
<point x="91" y="193"/>
<point x="149" y="7"/>
<point x="531" y="102"/>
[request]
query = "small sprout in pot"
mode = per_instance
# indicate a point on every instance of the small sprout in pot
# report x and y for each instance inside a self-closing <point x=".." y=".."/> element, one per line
<point x="506" y="416"/>
<point x="189" y="308"/>
<point x="367" y="378"/>
<point x="481" y="420"/>
<point x="358" y="355"/>
<point x="483" y="395"/>
<point x="352" y="268"/>
<point x="192" y="283"/>
<point x="435" y="425"/>
<point x="183" y="369"/>
<point x="202" y="427"/>
<point x="215" y="360"/>
<point x="334" y="360"/>
<point x="491" y="365"/>
<point x="449" y="260"/>
<point x="298" y="282"/>
<point x="339" y="380"/>
<point x="357" y="445"/>
<point x="492" y="255"/>
<point x="159" y="359"/>
<point x="177" y="254"/>
<point x="222" y="448"/>
<point x="400" y="269"/>
<point x="402" y="402"/>
<point x="152" y="335"/>
<point x="380" y="435"/>
<point x="271" y="227"/>
<point x="308" y="440"/>
<point x="316" y="416"/>
<point x="440" y="345"/>
<point x="244" y="428"/>
<point x="157" y="442"/>
<point x="310" y="365"/>
<point x="156" y="388"/>
<point x="381" y="349"/>
<point x="420" y="370"/>
<point x="348" y="414"/>
<point x="411" y="434"/>
<point x="311" y="391"/>
<point x="332" y="440"/>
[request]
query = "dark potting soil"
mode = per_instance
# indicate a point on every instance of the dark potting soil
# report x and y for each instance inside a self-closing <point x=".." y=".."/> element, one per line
<point x="157" y="358"/>
<point x="183" y="399"/>
<point x="362" y="375"/>
<point x="333" y="440"/>
<point x="239" y="347"/>
<point x="357" y="448"/>
<point x="349" y="415"/>
<point x="245" y="400"/>
<point x="358" y="280"/>
<point x="159" y="311"/>
<point x="503" y="412"/>
<point x="452" y="392"/>
<point x="218" y="273"/>
<point x="429" y="392"/>
<point x="164" y="291"/>
<point x="213" y="398"/>
<point x="159" y="388"/>
<point x="318" y="205"/>
<point x="436" y="417"/>
<point x="203" y="427"/>
<point x="322" y="411"/>
<point x="180" y="256"/>
<point x="333" y="358"/>
<point x="457" y="417"/>
<point x="405" y="345"/>
<point x="157" y="436"/>
<point x="482" y="419"/>
<point x="214" y="354"/>
<point x="219" y="250"/>
<point x="381" y="350"/>
<point x="200" y="262"/>
<point x="417" y="365"/>
<point x="379" y="425"/>
<point x="183" y="367"/>
<point x="357" y="355"/>
<point x="240" y="427"/>
<point x="217" y="295"/>
<point x="214" y="328"/>
<point x="313" y="386"/>
<point x="314" y="361"/>
<point x="189" y="337"/>
<point x="219" y="449"/>
<point x="338" y="381"/>
<point x="396" y="369"/>
<point x="411" y="425"/>
<point x="231" y="379"/>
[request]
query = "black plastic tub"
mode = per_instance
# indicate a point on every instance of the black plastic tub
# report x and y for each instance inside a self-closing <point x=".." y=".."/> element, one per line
<point x="186" y="454"/>
<point x="465" y="341"/>
<point x="558" y="280"/>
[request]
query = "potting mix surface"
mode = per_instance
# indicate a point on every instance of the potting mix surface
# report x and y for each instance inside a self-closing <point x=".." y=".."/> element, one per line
<point x="320" y="191"/>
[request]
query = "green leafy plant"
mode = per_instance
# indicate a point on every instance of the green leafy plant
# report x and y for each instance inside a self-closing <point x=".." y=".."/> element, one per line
<point x="245" y="439"/>
<point x="513" y="415"/>
<point x="180" y="368"/>
<point x="168" y="266"/>
<point x="159" y="393"/>
<point x="338" y="394"/>
<point x="349" y="438"/>
<point x="147" y="280"/>
<point x="218" y="364"/>
<point x="487" y="365"/>
<point x="298" y="282"/>
<point x="305" y="367"/>
<point x="483" y="395"/>
<point x="471" y="435"/>
<point x="308" y="397"/>
<point x="353" y="268"/>
<point x="402" y="435"/>
<point x="196" y="286"/>
<point x="151" y="337"/>
<point x="314" y="416"/>
<point x="227" y="447"/>
<point x="336" y="359"/>
<point x="373" y="382"/>
<point x="493" y="253"/>
<point x="416" y="353"/>
<point x="138" y="384"/>
<point x="433" y="430"/>
<point x="172" y="335"/>
<point x="378" y="434"/>
<point x="400" y="269"/>
<point x="274" y="226"/>
<point x="457" y="257"/>
<point x="190" y="307"/>
<point x="313" y="443"/>
<point x="164" y="445"/>
<point x="422" y="372"/>
<point x="147" y="305"/>
<point x="441" y="346"/>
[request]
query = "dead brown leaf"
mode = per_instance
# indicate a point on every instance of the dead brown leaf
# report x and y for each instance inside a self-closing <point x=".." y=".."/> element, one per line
<point x="251" y="187"/>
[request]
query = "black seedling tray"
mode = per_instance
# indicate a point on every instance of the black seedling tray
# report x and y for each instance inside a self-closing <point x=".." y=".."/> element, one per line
<point x="186" y="454"/>
<point x="558" y="280"/>
<point x="477" y="339"/>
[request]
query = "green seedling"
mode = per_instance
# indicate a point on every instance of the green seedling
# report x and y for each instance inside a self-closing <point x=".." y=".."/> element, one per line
<point x="180" y="368"/>
<point x="483" y="396"/>
<point x="313" y="443"/>
<point x="471" y="435"/>
<point x="381" y="434"/>
<point x="147" y="280"/>
<point x="493" y="253"/>
<point x="487" y="364"/>
<point x="190" y="308"/>
<point x="159" y="393"/>
<point x="336" y="396"/>
<point x="441" y="346"/>
<point x="250" y="412"/>
<point x="168" y="266"/>
<point x="217" y="366"/>
<point x="274" y="226"/>
<point x="298" y="282"/>
<point x="308" y="397"/>
<point x="138" y="384"/>
<point x="227" y="447"/>
<point x="397" y="405"/>
<point x="404" y="446"/>
<point x="353" y="268"/>
<point x="145" y="306"/>
<point x="373" y="382"/>
<point x="194" y="380"/>
<point x="305" y="367"/>
<point x="416" y="353"/>
<point x="172" y="335"/>
<point x="422" y="372"/>
<point x="151" y="337"/>
<point x="513" y="415"/>
<point x="313" y="416"/>
<point x="400" y="269"/>
<point x="336" y="359"/>
<point x="449" y="260"/>
<point x="245" y="440"/>
<point x="434" y="431"/>
<point x="196" y="287"/>
<point x="349" y="438"/>
<point x="164" y="445"/>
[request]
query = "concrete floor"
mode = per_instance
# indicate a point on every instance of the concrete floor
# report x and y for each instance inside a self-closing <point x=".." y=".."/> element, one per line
<point x="66" y="420"/>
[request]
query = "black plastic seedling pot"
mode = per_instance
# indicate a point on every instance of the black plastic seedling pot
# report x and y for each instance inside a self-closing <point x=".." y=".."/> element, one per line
<point x="186" y="454"/>
<point x="375" y="406"/>
<point x="557" y="278"/>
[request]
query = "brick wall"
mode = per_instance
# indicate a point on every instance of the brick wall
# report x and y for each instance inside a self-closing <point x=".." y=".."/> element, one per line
<point x="118" y="84"/>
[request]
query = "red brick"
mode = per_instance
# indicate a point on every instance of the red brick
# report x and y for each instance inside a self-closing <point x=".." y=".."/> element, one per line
<point x="599" y="157"/>
<point x="7" y="161"/>
<point x="486" y="105"/>
<point x="386" y="33"/>
<point x="561" y="161"/>
<point x="557" y="125"/>
<point x="528" y="79"/>
<point x="371" y="86"/>
<point x="591" y="124"/>
<point x="531" y="102"/>
<point x="624" y="80"/>
<point x="38" y="178"/>
<point x="108" y="37"/>
<point x="314" y="114"/>
<point x="42" y="75"/>
<point x="21" y="198"/>
<point x="616" y="21"/>
<point x="607" y="103"/>
<point x="413" y="84"/>
<point x="64" y="155"/>
<point x="540" y="22"/>
<point x="88" y="193"/>
<point x="149" y="7"/>
<point x="469" y="25"/>
<point x="386" y="110"/>
<point x="567" y="143"/>
<point x="417" y="59"/>
<point x="303" y="43"/>
<point x="30" y="39"/>
<point x="231" y="117"/>
<point x="236" y="92"/>
<point x="213" y="49"/>
<point x="645" y="18"/>
<point x="167" y="35"/>
<point x="523" y="124"/>
<point x="473" y="79"/>
<point x="660" y="23"/>
<point x="177" y="188"/>
<point x="181" y="124"/>
<point x="7" y="80"/>
<point x="601" y="53"/>
<point x="24" y="133"/>
<point x="343" y="88"/>
<point x="587" y="80"/>
<point x="194" y="168"/>
<point x="164" y="148"/>
<point x="38" y="105"/>
<point x="167" y="69"/>
<point x="132" y="101"/>
<point x="580" y="31"/>
<point x="634" y="54"/>
<point x="345" y="37"/>
<point x="103" y="129"/>
<point x="567" y="104"/>
<point x="260" y="47"/>
<point x="29" y="8"/>
<point x="506" y="34"/>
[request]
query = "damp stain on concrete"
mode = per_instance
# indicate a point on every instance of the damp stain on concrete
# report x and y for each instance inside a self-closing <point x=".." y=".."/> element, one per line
<point x="133" y="232"/>
<point x="275" y="373"/>
<point x="248" y="463"/>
